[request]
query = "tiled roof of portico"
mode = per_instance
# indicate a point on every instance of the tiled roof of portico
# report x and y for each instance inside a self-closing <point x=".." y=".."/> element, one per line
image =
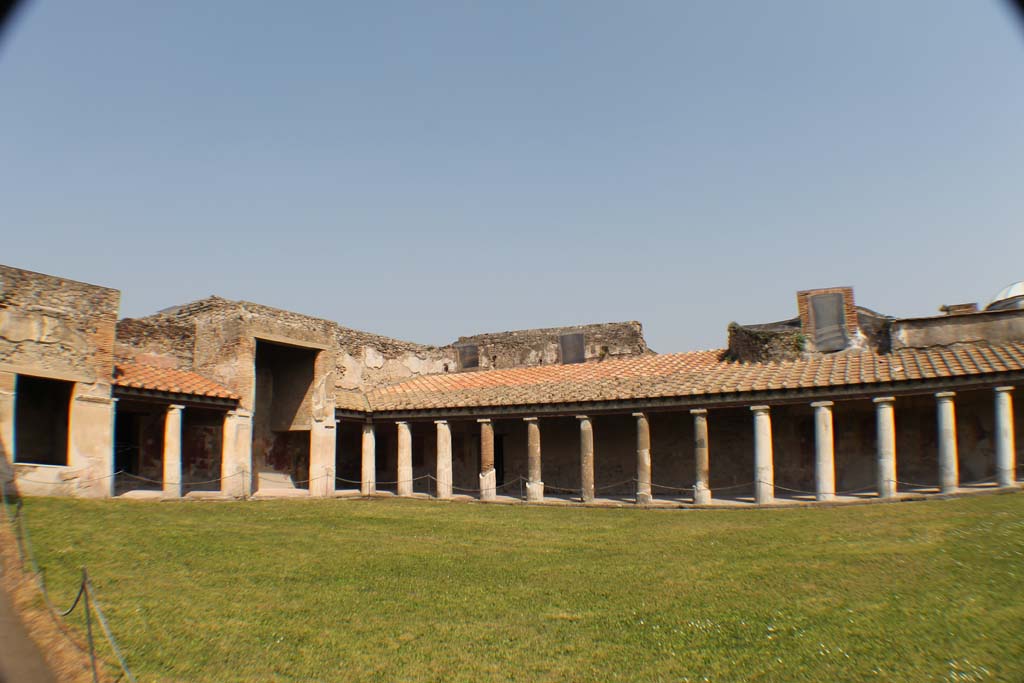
<point x="167" y="380"/>
<point x="698" y="373"/>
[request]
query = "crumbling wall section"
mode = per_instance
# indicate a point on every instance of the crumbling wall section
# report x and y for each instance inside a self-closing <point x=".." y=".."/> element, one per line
<point x="54" y="327"/>
<point x="61" y="329"/>
<point x="542" y="346"/>
<point x="162" y="342"/>
<point x="765" y="343"/>
<point x="367" y="361"/>
<point x="994" y="327"/>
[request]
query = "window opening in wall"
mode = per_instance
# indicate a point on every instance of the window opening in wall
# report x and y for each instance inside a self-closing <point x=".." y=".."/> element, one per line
<point x="469" y="356"/>
<point x="41" y="411"/>
<point x="571" y="346"/>
<point x="829" y="321"/>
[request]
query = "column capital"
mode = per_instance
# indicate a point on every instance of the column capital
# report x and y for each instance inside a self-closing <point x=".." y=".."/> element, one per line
<point x="698" y="411"/>
<point x="760" y="409"/>
<point x="240" y="412"/>
<point x="175" y="407"/>
<point x="484" y="420"/>
<point x="583" y="417"/>
<point x="1003" y="389"/>
<point x="822" y="404"/>
<point x="440" y="422"/>
<point x="945" y="395"/>
<point x="401" y="422"/>
<point x="529" y="419"/>
<point x="883" y="399"/>
<point x="639" y="414"/>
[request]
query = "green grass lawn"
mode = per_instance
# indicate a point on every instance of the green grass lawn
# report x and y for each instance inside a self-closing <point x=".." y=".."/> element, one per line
<point x="402" y="590"/>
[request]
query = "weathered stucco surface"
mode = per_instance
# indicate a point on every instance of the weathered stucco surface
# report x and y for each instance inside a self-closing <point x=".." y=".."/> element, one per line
<point x="57" y="328"/>
<point x="993" y="327"/>
<point x="541" y="346"/>
<point x="294" y="373"/>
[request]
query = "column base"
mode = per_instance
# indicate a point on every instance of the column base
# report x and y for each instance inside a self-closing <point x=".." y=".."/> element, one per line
<point x="701" y="496"/>
<point x="368" y="489"/>
<point x="823" y="497"/>
<point x="534" y="491"/>
<point x="488" y="484"/>
<point x="404" y="487"/>
<point x="643" y="498"/>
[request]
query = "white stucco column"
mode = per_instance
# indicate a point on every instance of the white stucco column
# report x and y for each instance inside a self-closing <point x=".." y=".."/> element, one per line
<point x="488" y="477"/>
<point x="764" y="468"/>
<point x="643" y="459"/>
<point x="586" y="459"/>
<point x="404" y="459"/>
<point x="1006" y="454"/>
<point x="824" y="451"/>
<point x="236" y="454"/>
<point x="444" y="459"/>
<point x="91" y="439"/>
<point x="949" y="471"/>
<point x="534" y="484"/>
<point x="368" y="475"/>
<point x="172" y="452"/>
<point x="886" y="449"/>
<point x="323" y="452"/>
<point x="701" y="457"/>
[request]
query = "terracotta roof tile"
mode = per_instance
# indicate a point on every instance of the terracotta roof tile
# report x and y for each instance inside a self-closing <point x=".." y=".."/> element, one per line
<point x="152" y="378"/>
<point x="345" y="399"/>
<point x="689" y="374"/>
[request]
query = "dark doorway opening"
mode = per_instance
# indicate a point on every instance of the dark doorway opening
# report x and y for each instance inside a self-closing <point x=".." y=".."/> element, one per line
<point x="348" y="459"/>
<point x="41" y="410"/>
<point x="282" y="415"/>
<point x="139" y="447"/>
<point x="499" y="459"/>
<point x="202" y="439"/>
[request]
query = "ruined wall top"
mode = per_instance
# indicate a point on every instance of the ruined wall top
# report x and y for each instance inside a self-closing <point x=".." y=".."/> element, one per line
<point x="548" y="346"/>
<point x="992" y="327"/>
<point x="55" y="327"/>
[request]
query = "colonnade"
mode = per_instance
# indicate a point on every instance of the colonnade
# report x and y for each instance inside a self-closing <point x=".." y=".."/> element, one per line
<point x="763" y="474"/>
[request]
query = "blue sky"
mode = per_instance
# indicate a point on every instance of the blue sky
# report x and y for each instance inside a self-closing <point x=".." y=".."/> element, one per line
<point x="426" y="170"/>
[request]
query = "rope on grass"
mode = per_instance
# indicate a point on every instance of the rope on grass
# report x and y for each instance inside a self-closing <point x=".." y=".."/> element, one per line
<point x="86" y="595"/>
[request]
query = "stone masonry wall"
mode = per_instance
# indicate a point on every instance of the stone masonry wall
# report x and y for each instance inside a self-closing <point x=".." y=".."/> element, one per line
<point x="59" y="329"/>
<point x="541" y="346"/>
<point x="55" y="327"/>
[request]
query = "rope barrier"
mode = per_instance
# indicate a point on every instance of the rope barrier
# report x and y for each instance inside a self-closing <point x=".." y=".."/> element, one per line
<point x="869" y="487"/>
<point x="615" y="485"/>
<point x="86" y="595"/>
<point x="917" y="485"/>
<point x="671" y="488"/>
<point x="559" y="489"/>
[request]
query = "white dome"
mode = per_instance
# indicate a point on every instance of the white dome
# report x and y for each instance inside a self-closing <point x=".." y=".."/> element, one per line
<point x="1014" y="291"/>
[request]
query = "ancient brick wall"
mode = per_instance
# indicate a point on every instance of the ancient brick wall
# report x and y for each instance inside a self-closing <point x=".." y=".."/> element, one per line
<point x="542" y="347"/>
<point x="56" y="327"/>
<point x="995" y="327"/>
<point x="765" y="343"/>
<point x="59" y="329"/>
